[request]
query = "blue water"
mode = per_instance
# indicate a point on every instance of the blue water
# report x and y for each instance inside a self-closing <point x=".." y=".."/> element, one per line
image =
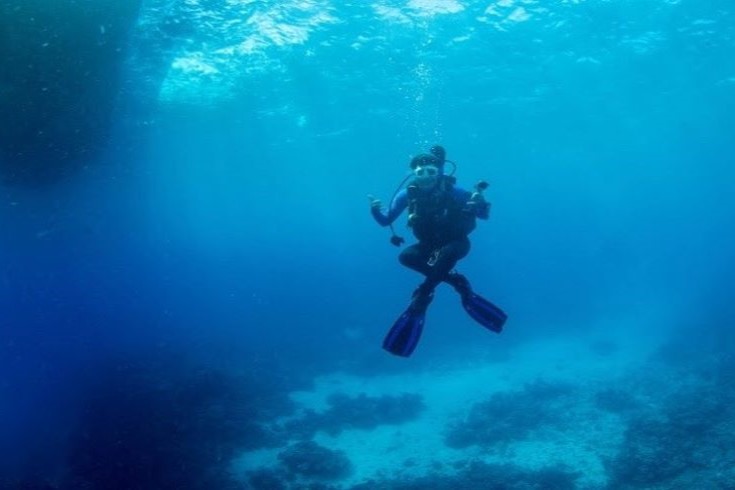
<point x="224" y="232"/>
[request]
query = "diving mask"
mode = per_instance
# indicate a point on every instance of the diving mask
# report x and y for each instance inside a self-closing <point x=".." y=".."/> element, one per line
<point x="426" y="176"/>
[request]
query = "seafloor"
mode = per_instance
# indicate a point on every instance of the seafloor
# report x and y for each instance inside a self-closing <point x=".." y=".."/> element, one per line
<point x="600" y="412"/>
<point x="612" y="408"/>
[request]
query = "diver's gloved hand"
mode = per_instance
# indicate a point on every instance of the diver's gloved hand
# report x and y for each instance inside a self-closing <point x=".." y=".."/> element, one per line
<point x="374" y="203"/>
<point x="477" y="201"/>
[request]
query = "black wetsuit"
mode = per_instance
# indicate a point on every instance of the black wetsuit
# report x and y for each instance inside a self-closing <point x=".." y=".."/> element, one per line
<point x="441" y="221"/>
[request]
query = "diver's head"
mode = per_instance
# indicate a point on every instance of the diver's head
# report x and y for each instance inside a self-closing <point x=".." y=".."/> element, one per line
<point x="426" y="169"/>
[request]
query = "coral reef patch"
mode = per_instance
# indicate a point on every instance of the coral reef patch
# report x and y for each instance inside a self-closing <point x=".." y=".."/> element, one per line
<point x="359" y="412"/>
<point x="510" y="416"/>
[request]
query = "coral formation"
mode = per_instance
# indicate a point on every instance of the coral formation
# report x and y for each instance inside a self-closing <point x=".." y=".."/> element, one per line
<point x="360" y="412"/>
<point x="308" y="459"/>
<point x="615" y="400"/>
<point x="486" y="476"/>
<point x="509" y="416"/>
<point x="690" y="434"/>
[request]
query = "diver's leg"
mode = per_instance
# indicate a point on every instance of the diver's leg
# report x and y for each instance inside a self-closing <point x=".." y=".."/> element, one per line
<point x="480" y="309"/>
<point x="436" y="265"/>
<point x="459" y="282"/>
<point x="416" y="257"/>
<point x="445" y="260"/>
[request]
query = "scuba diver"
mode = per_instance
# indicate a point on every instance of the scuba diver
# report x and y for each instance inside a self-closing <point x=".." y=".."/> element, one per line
<point x="441" y="216"/>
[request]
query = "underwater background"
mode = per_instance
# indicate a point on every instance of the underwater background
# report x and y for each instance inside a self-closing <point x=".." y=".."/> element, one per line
<point x="193" y="293"/>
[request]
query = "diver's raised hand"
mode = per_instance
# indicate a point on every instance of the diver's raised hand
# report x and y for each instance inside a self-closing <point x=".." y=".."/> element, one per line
<point x="477" y="199"/>
<point x="374" y="203"/>
<point x="477" y="205"/>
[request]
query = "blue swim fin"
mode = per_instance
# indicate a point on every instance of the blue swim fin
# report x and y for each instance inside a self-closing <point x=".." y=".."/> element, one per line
<point x="481" y="310"/>
<point x="406" y="332"/>
<point x="484" y="312"/>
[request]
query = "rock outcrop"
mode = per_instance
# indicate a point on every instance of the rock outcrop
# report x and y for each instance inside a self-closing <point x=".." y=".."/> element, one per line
<point x="58" y="84"/>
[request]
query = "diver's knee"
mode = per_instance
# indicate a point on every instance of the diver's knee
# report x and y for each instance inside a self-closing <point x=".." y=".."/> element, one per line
<point x="406" y="258"/>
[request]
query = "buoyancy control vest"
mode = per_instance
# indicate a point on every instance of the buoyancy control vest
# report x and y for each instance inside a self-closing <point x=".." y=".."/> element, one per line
<point x="436" y="217"/>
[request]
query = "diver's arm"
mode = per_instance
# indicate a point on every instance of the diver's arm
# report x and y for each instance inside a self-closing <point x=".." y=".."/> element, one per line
<point x="397" y="206"/>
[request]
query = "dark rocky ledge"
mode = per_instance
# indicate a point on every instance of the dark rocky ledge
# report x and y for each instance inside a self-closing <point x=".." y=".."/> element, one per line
<point x="58" y="84"/>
